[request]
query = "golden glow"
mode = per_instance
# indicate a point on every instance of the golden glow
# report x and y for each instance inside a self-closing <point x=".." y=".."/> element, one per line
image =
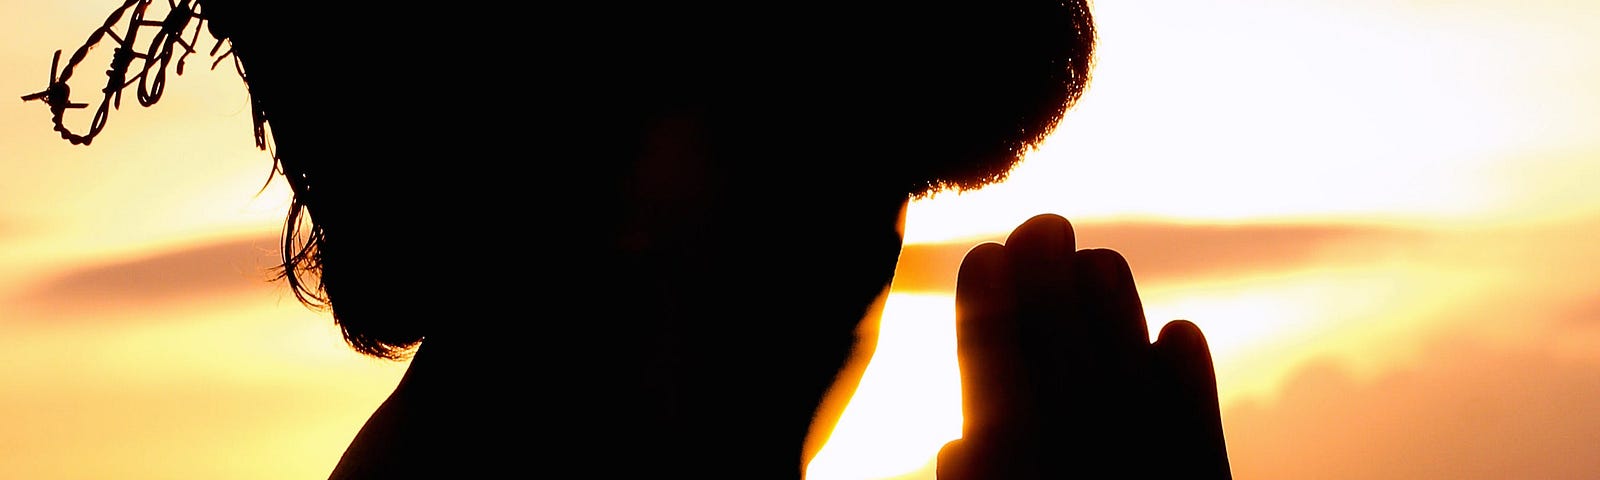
<point x="909" y="401"/>
<point x="1470" y="125"/>
<point x="1309" y="110"/>
<point x="226" y="390"/>
<point x="1261" y="329"/>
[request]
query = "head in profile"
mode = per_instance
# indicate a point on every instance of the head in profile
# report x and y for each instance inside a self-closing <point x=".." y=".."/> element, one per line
<point x="644" y="233"/>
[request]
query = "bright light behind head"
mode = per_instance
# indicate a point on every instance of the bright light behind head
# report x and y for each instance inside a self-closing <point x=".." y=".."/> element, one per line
<point x="909" y="401"/>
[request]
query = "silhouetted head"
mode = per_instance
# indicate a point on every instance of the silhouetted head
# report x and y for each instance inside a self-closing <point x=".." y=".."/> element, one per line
<point x="694" y="202"/>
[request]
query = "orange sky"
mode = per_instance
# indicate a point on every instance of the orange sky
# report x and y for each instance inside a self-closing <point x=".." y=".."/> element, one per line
<point x="1379" y="212"/>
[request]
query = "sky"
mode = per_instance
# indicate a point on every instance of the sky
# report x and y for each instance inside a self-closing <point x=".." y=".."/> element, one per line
<point x="1379" y="213"/>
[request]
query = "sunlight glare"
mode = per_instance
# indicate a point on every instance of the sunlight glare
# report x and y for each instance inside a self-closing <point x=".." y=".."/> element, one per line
<point x="909" y="401"/>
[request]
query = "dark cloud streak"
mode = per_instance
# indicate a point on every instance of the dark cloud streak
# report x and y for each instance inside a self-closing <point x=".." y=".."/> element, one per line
<point x="1168" y="252"/>
<point x="206" y="270"/>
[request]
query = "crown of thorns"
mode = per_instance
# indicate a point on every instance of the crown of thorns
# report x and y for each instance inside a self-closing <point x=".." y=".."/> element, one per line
<point x="152" y="59"/>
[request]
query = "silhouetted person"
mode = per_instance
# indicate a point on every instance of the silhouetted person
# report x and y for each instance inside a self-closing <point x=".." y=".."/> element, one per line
<point x="624" y="240"/>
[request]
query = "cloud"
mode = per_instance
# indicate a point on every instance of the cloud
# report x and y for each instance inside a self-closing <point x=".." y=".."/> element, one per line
<point x="1168" y="252"/>
<point x="1586" y="314"/>
<point x="200" y="271"/>
<point x="1467" y="412"/>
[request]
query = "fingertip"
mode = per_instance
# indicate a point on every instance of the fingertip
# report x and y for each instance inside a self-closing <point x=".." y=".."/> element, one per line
<point x="1104" y="263"/>
<point x="986" y="255"/>
<point x="1104" y="275"/>
<point x="1181" y="352"/>
<point x="983" y="272"/>
<point x="1182" y="346"/>
<point x="1183" y="337"/>
<point x="1189" y="413"/>
<point x="1047" y="218"/>
<point x="1048" y="231"/>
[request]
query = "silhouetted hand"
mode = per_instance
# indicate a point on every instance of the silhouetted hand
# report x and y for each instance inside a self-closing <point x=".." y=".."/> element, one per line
<point x="1058" y="375"/>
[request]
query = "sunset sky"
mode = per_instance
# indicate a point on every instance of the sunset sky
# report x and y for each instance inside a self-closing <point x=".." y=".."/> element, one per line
<point x="1380" y="213"/>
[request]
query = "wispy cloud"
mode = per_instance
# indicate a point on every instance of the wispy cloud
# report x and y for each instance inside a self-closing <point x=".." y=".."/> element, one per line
<point x="1167" y="252"/>
<point x="184" y="274"/>
<point x="1505" y="413"/>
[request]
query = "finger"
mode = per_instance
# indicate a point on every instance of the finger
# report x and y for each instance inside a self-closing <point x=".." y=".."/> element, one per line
<point x="1052" y="337"/>
<point x="1114" y="344"/>
<point x="1040" y="253"/>
<point x="1115" y="337"/>
<point x="1108" y="303"/>
<point x="1187" y="419"/>
<point x="993" y="389"/>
